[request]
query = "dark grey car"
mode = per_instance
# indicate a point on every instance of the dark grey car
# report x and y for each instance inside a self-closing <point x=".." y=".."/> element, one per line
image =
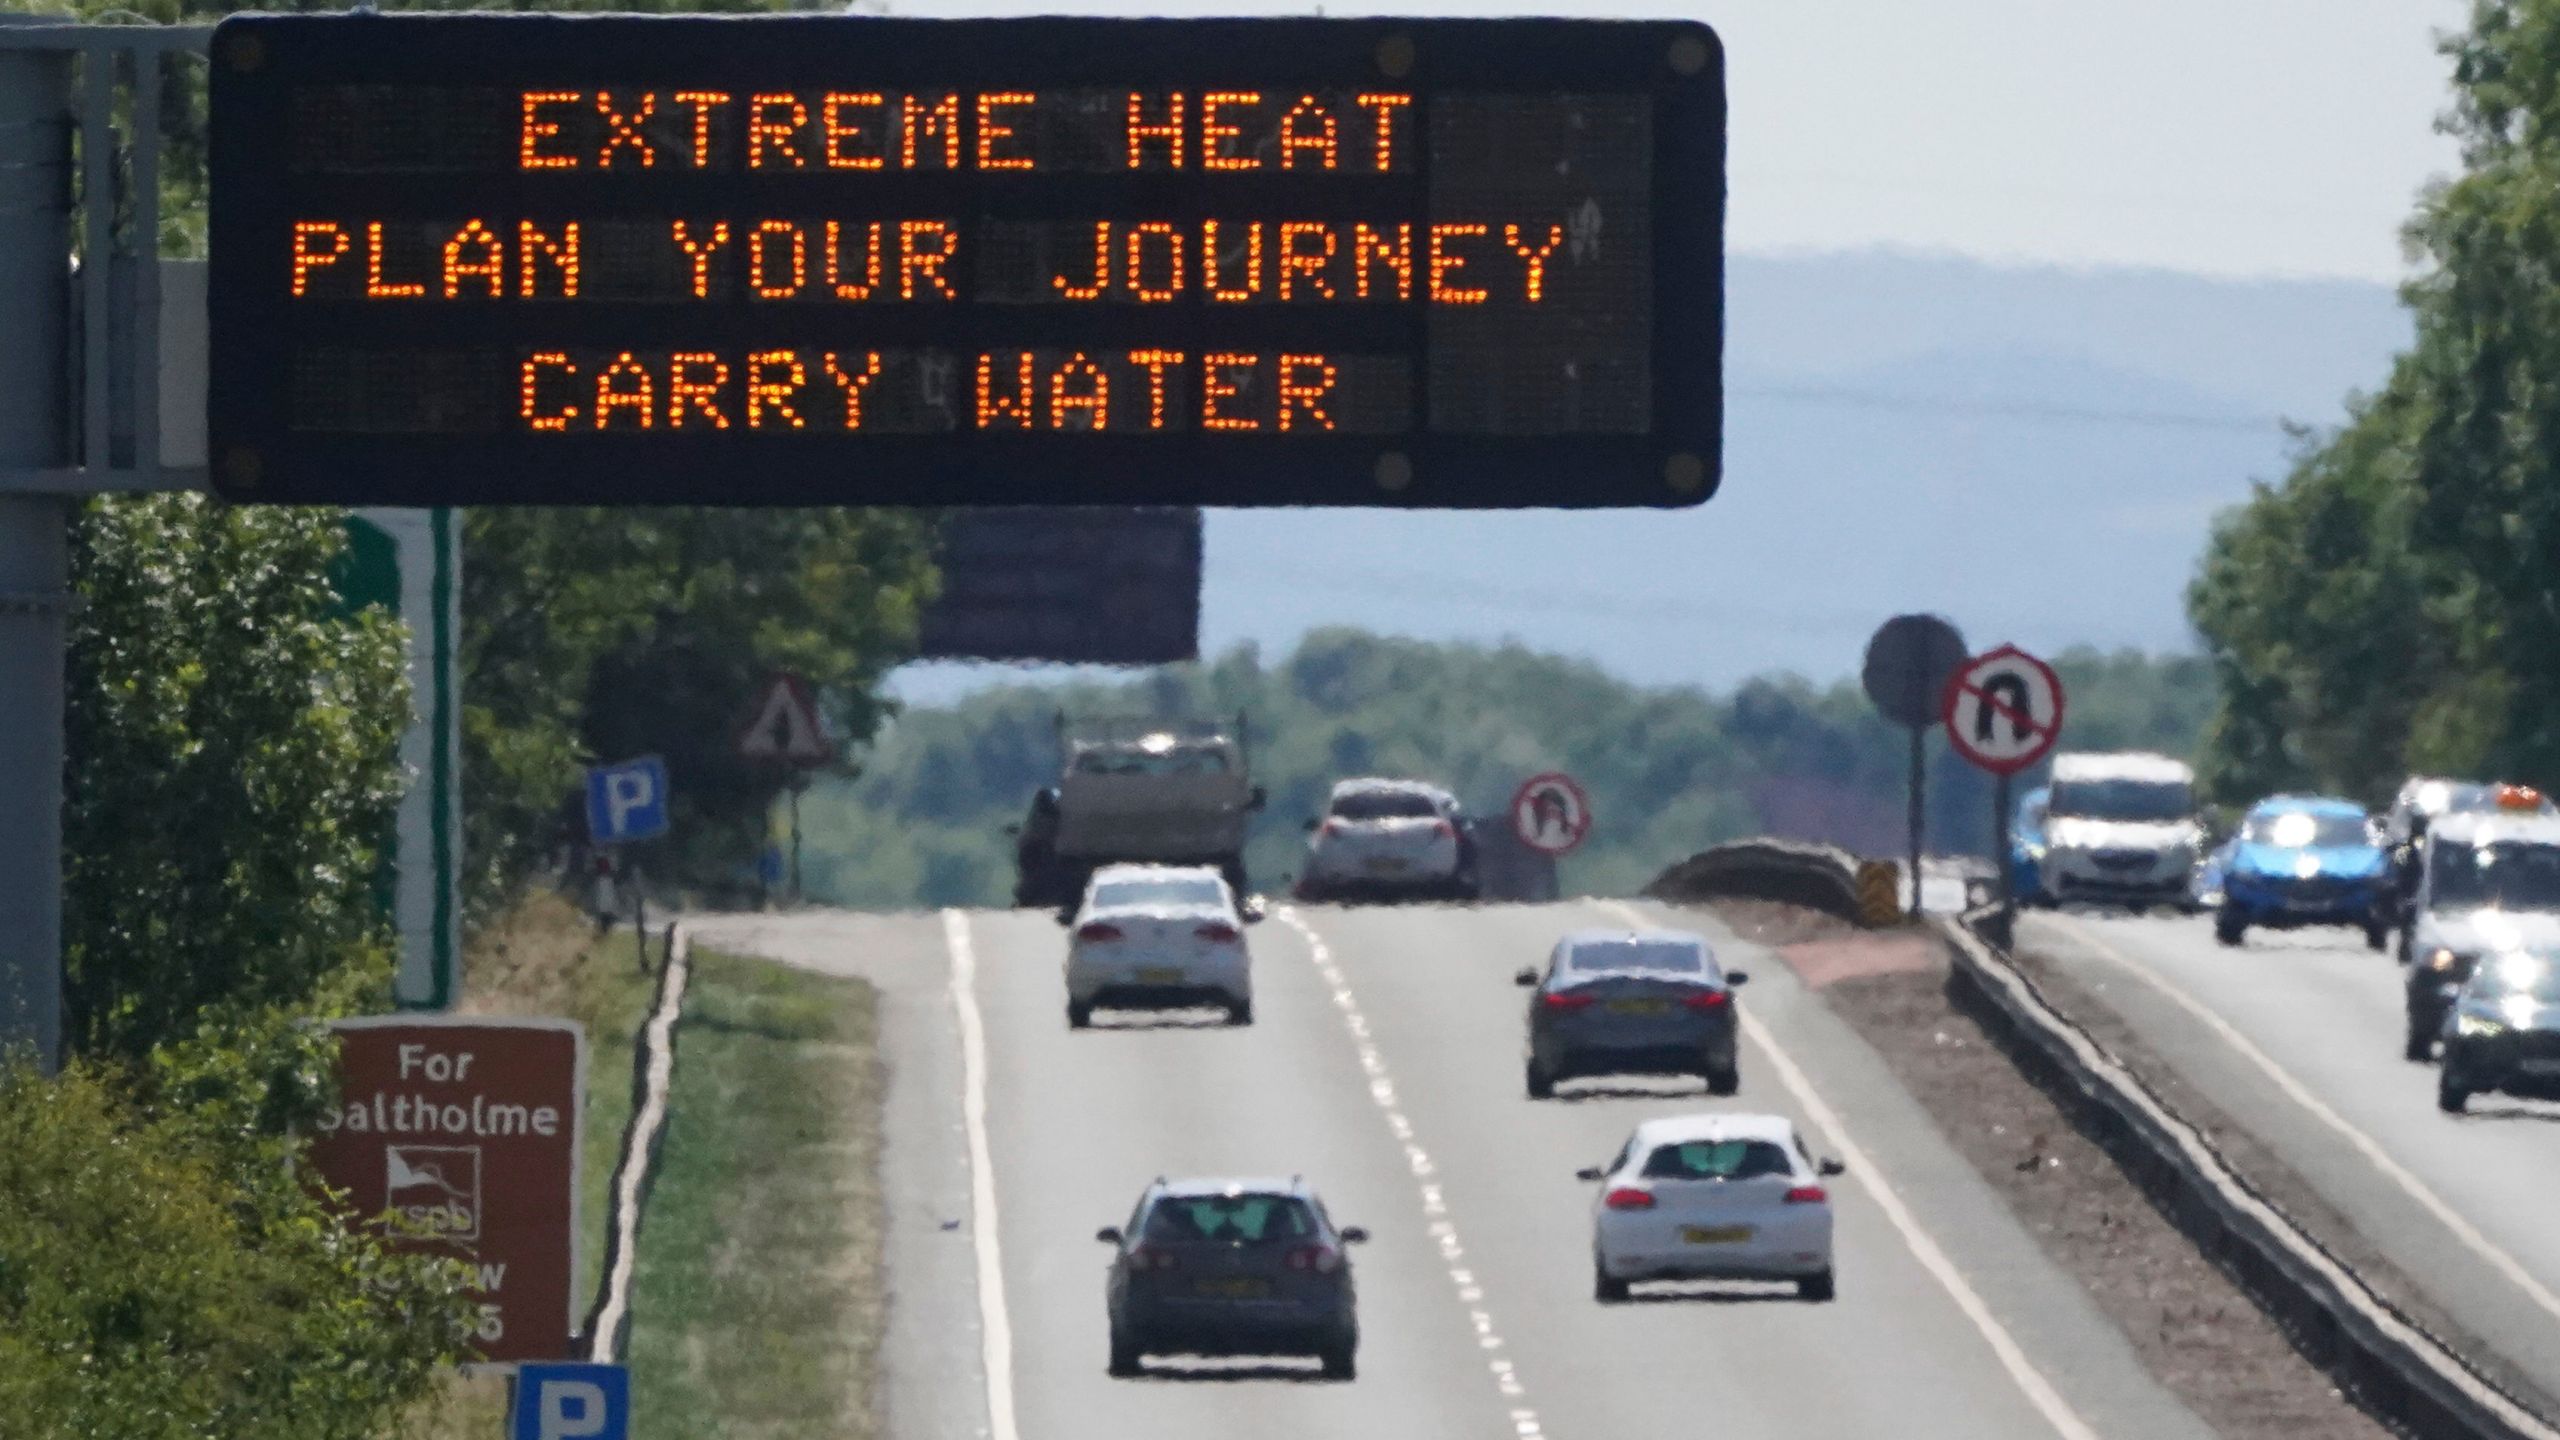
<point x="1232" y="1267"/>
<point x="1620" y="1002"/>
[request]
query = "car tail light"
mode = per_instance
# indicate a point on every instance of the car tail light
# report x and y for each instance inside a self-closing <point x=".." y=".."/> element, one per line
<point x="1444" y="830"/>
<point x="1564" y="1000"/>
<point x="1143" y="1258"/>
<point x="1330" y="827"/>
<point x="1707" y="999"/>
<point x="1808" y="1195"/>
<point x="1220" y="932"/>
<point x="1096" y="930"/>
<point x="1628" y="1197"/>
<point x="1319" y="1259"/>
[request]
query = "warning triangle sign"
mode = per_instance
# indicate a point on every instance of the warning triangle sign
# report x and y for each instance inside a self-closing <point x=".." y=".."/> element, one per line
<point x="784" y="726"/>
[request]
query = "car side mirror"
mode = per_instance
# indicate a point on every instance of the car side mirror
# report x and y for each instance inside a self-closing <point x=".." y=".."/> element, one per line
<point x="1591" y="1172"/>
<point x="1065" y="918"/>
<point x="1524" y="978"/>
<point x="1830" y="1166"/>
<point x="1354" y="1235"/>
<point x="1312" y="826"/>
<point x="1108" y="1234"/>
<point x="1735" y="979"/>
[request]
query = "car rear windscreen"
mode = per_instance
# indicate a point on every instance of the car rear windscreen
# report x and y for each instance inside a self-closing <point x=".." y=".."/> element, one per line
<point x="1596" y="957"/>
<point x="1716" y="1160"/>
<point x="1116" y="894"/>
<point x="1383" y="806"/>
<point x="1232" y="1219"/>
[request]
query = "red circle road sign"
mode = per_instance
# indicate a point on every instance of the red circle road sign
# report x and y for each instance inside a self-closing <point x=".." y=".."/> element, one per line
<point x="2003" y="710"/>
<point x="1550" y="813"/>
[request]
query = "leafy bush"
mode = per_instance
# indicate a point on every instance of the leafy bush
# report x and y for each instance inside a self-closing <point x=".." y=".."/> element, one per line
<point x="163" y="1273"/>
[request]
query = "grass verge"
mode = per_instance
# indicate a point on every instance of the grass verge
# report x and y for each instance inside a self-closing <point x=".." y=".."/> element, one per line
<point x="756" y="1309"/>
<point x="544" y="958"/>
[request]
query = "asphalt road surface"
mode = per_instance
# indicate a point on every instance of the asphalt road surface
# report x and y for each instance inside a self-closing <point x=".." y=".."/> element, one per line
<point x="2297" y="1037"/>
<point x="1385" y="1066"/>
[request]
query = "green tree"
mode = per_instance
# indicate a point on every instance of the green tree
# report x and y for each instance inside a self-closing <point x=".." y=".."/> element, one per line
<point x="232" y="753"/>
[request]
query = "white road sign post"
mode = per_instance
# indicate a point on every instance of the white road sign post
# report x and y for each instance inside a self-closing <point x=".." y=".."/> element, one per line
<point x="2003" y="712"/>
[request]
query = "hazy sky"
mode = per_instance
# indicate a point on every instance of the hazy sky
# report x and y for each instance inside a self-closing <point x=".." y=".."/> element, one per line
<point x="2221" y="137"/>
<point x="2225" y="138"/>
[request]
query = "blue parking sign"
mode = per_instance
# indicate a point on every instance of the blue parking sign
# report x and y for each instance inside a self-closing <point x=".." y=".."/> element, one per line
<point x="572" y="1402"/>
<point x="627" y="801"/>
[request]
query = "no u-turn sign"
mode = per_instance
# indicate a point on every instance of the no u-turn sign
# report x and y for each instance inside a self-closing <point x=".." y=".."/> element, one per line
<point x="2003" y="710"/>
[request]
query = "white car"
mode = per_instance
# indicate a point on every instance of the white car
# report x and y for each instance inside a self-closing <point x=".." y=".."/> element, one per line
<point x="1712" y="1197"/>
<point x="1380" y="838"/>
<point x="2120" y="829"/>
<point x="1159" y="937"/>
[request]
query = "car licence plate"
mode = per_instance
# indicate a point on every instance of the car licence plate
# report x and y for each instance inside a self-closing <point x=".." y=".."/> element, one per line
<point x="2540" y="1067"/>
<point x="1386" y="866"/>
<point x="1715" y="1234"/>
<point x="1160" y="975"/>
<point x="1639" y="1007"/>
<point x="1241" y="1288"/>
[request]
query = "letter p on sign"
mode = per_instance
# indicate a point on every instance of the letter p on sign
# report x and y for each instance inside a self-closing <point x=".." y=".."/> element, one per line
<point x="572" y="1402"/>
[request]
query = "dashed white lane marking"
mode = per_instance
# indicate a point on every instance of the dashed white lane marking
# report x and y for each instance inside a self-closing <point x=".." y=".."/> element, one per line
<point x="2038" y="1390"/>
<point x="1435" y="1208"/>
<point x="995" y="1324"/>
<point x="2372" y="1151"/>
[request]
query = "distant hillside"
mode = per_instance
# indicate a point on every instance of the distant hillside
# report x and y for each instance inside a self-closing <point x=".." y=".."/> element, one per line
<point x="1669" y="769"/>
<point x="2035" y="452"/>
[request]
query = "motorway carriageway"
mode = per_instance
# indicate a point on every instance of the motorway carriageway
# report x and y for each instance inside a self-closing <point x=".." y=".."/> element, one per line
<point x="1385" y="1065"/>
<point x="2296" y="1036"/>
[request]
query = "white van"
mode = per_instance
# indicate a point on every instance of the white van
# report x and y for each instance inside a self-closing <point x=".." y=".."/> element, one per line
<point x="2121" y="829"/>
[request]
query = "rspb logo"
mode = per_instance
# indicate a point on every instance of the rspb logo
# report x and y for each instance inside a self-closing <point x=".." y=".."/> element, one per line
<point x="433" y="1191"/>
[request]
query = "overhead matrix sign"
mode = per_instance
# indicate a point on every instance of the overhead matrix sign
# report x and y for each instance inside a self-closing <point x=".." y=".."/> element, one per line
<point x="829" y="260"/>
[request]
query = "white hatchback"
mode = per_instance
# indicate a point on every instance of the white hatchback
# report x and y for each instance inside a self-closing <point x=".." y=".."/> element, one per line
<point x="1159" y="937"/>
<point x="1712" y="1197"/>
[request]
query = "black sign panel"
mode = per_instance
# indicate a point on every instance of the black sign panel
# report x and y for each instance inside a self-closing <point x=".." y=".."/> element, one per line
<point x="838" y="260"/>
<point x="1081" y="585"/>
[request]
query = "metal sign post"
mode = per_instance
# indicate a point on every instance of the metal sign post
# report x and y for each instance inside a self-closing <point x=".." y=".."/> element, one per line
<point x="2003" y="712"/>
<point x="1908" y="661"/>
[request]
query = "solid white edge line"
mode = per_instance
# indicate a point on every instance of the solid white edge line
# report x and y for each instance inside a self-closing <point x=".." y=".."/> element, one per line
<point x="2462" y="1229"/>
<point x="995" y="1324"/>
<point x="1862" y="1168"/>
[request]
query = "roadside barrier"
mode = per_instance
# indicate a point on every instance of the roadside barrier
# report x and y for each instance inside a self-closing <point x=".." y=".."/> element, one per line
<point x="653" y="1060"/>
<point x="2390" y="1364"/>
<point x="1816" y="877"/>
<point x="1879" y="893"/>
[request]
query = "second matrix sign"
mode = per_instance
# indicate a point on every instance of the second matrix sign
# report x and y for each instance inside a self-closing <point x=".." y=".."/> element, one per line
<point x="532" y="259"/>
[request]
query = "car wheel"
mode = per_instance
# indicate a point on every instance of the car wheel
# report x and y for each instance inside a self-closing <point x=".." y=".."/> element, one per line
<point x="1124" y="1356"/>
<point x="1240" y="1013"/>
<point x="1340" y="1360"/>
<point x="2421" y="1046"/>
<point x="1723" y="1081"/>
<point x="1605" y="1287"/>
<point x="1815" y="1287"/>
<point x="1079" y="1015"/>
<point x="2376" y="937"/>
<point x="1542" y="1086"/>
<point x="2229" y="925"/>
<point x="2451" y="1095"/>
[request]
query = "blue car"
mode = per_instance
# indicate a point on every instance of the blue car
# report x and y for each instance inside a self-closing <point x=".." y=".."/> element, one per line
<point x="2026" y="847"/>
<point x="2304" y="860"/>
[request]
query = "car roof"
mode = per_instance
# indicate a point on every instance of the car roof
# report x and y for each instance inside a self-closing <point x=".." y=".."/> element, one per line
<point x="1380" y="785"/>
<point x="1195" y="1186"/>
<point x="2308" y="805"/>
<point x="1715" y="1125"/>
<point x="2122" y="765"/>
<point x="1575" y="939"/>
<point x="1130" y="871"/>
<point x="2491" y="827"/>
